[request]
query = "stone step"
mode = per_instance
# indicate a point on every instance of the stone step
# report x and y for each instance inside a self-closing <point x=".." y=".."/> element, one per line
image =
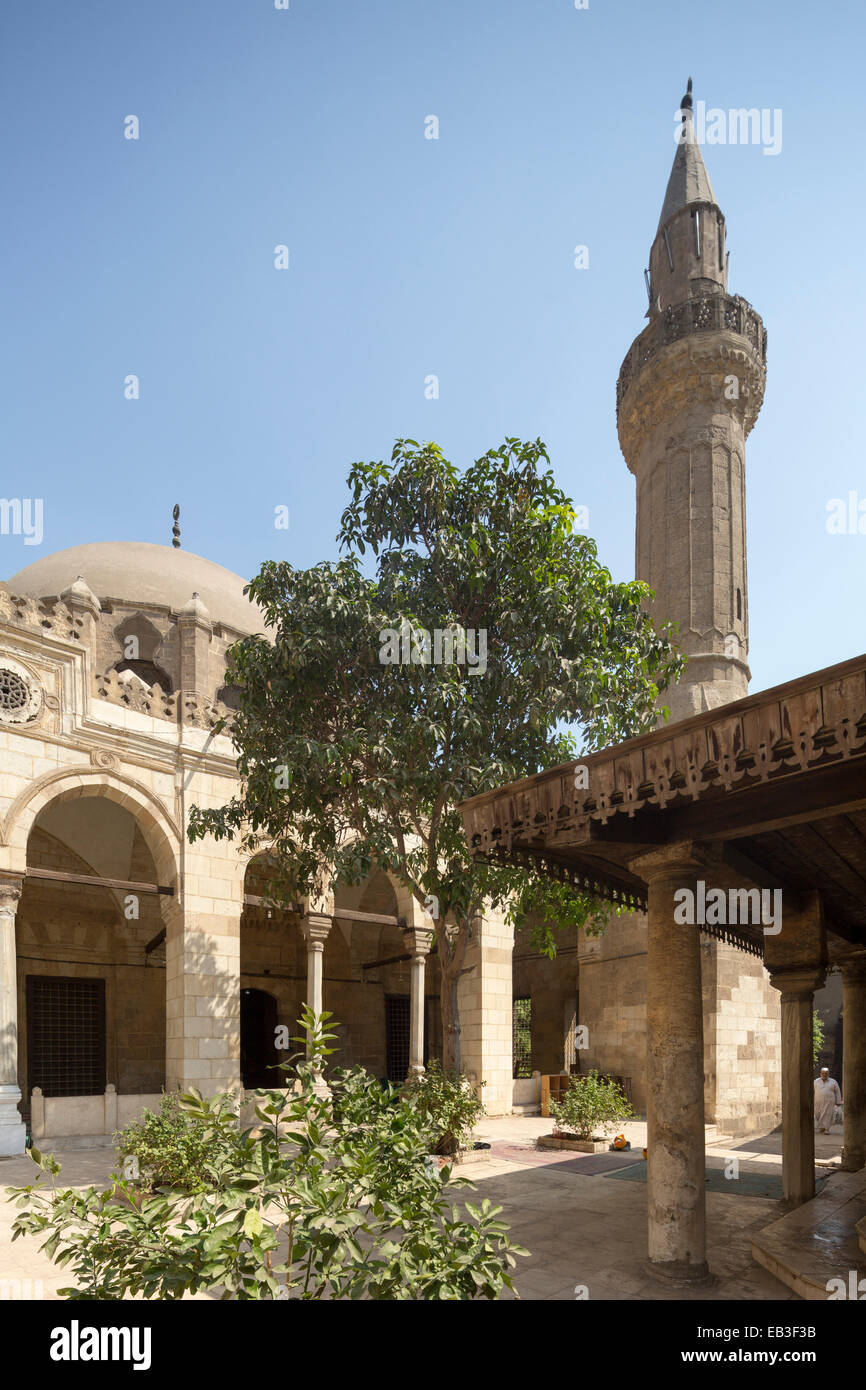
<point x="817" y="1242"/>
<point x="49" y="1144"/>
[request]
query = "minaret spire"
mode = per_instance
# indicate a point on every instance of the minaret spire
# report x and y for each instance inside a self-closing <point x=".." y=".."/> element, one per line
<point x="688" y="253"/>
<point x="689" y="392"/>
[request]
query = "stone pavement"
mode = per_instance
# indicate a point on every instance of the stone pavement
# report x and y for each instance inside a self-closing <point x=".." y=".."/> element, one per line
<point x="581" y="1230"/>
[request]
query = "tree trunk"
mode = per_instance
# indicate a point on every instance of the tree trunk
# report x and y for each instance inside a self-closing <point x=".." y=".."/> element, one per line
<point x="452" y="953"/>
<point x="451" y="1051"/>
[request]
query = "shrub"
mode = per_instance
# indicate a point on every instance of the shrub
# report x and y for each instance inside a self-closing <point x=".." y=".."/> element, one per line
<point x="317" y="1201"/>
<point x="447" y="1101"/>
<point x="591" y="1107"/>
<point x="172" y="1148"/>
<point x="817" y="1037"/>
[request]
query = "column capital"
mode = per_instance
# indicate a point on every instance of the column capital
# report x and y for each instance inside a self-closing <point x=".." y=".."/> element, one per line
<point x="798" y="982"/>
<point x="854" y="968"/>
<point x="10" y="892"/>
<point x="686" y="859"/>
<point x="418" y="940"/>
<point x="315" y="927"/>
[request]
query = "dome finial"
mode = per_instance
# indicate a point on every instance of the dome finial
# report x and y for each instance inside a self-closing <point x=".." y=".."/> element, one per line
<point x="175" y="530"/>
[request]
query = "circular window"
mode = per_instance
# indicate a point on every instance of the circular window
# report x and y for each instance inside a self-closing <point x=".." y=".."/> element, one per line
<point x="14" y="694"/>
<point x="20" y="695"/>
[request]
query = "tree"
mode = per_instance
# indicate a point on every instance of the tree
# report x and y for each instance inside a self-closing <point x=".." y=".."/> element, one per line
<point x="485" y="629"/>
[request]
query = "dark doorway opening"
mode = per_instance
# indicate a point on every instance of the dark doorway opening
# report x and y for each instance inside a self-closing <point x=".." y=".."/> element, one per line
<point x="258" y="1039"/>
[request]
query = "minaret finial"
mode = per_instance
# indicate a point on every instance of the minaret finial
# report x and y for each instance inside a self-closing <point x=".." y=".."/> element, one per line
<point x="686" y="103"/>
<point x="175" y="530"/>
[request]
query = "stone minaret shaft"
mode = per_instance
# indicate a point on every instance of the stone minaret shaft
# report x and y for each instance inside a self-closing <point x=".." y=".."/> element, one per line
<point x="689" y="392"/>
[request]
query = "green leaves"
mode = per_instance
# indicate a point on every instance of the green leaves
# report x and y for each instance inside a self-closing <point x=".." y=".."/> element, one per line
<point x="591" y="1106"/>
<point x="334" y="1197"/>
<point x="351" y="763"/>
<point x="253" y="1223"/>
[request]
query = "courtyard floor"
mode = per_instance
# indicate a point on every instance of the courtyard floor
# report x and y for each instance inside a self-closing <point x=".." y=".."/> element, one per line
<point x="586" y="1230"/>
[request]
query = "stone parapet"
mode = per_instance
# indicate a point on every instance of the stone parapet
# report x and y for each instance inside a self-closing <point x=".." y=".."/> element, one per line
<point x="706" y="313"/>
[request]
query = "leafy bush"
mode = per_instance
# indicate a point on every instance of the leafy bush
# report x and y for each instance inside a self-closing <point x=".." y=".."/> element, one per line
<point x="172" y="1148"/>
<point x="448" y="1103"/>
<point x="317" y="1201"/>
<point x="591" y="1107"/>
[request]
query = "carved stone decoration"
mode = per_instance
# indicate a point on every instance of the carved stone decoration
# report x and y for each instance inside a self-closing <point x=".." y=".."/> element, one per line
<point x="135" y="695"/>
<point x="700" y="319"/>
<point x="100" y="757"/>
<point x="21" y="695"/>
<point x="54" y="618"/>
<point x="199" y="711"/>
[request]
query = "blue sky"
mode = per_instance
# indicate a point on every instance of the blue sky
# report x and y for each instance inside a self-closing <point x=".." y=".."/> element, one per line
<point x="411" y="257"/>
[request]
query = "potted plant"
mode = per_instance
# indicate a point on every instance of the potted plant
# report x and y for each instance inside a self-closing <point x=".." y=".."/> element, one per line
<point x="591" y="1107"/>
<point x="449" y="1102"/>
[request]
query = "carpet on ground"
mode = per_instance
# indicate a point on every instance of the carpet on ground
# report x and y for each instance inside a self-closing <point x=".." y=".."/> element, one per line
<point x="566" y="1159"/>
<point x="745" y="1185"/>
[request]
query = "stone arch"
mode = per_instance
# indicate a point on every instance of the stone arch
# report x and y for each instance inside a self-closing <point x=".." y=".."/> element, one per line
<point x="158" y="827"/>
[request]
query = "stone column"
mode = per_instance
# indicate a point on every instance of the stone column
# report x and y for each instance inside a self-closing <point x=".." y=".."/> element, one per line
<point x="12" y="1129"/>
<point x="676" y="1192"/>
<point x="796" y="958"/>
<point x="798" y="1107"/>
<point x="418" y="940"/>
<point x="314" y="929"/>
<point x="854" y="1064"/>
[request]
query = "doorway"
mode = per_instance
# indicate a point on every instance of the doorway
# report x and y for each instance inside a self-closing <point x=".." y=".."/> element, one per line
<point x="258" y="1039"/>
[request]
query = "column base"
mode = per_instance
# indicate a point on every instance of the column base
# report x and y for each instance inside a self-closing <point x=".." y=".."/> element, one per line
<point x="678" y="1274"/>
<point x="13" y="1131"/>
<point x="853" y="1160"/>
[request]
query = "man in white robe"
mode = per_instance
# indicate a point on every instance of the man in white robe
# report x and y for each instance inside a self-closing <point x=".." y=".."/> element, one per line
<point x="827" y="1097"/>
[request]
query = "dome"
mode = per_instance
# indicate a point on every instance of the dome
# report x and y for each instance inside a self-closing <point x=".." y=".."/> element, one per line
<point x="138" y="572"/>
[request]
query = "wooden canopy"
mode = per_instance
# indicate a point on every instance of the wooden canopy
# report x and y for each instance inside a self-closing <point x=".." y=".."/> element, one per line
<point x="774" y="784"/>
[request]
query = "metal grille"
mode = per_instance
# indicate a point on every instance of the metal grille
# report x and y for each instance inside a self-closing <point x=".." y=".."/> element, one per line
<point x="66" y="1035"/>
<point x="521" y="1031"/>
<point x="397" y="1036"/>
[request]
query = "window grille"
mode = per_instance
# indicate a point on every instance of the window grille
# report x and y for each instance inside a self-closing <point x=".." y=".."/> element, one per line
<point x="66" y="1035"/>
<point x="521" y="1029"/>
<point x="397" y="1036"/>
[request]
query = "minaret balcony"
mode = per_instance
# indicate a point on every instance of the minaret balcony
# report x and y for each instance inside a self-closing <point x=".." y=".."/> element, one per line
<point x="702" y="313"/>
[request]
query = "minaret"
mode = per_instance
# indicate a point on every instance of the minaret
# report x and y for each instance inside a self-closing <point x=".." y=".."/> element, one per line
<point x="689" y="392"/>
